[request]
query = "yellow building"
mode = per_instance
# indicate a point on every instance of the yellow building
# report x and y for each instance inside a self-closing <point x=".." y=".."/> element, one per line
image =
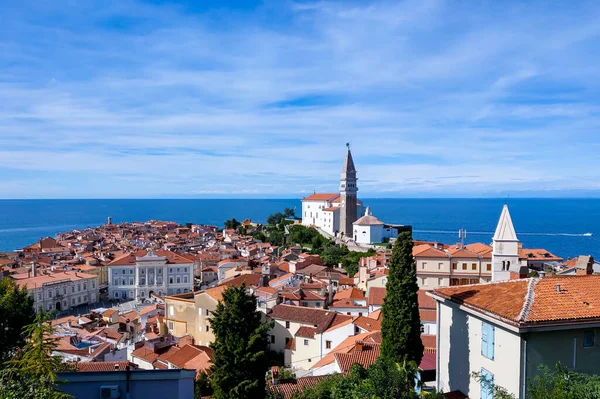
<point x="190" y="314"/>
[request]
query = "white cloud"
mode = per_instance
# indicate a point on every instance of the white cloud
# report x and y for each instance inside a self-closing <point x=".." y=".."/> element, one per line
<point x="423" y="90"/>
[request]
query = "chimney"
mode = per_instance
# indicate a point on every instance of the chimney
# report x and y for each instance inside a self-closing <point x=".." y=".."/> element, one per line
<point x="116" y="366"/>
<point x="558" y="289"/>
<point x="275" y="375"/>
<point x="584" y="265"/>
<point x="33" y="269"/>
<point x="359" y="347"/>
<point x="542" y="273"/>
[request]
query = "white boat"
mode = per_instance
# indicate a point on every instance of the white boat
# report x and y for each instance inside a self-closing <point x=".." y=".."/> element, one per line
<point x="587" y="235"/>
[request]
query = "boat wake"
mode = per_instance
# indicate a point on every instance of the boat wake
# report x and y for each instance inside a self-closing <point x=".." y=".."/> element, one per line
<point x="491" y="233"/>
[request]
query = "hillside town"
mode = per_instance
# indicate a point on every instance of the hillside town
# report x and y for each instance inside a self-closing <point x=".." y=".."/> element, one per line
<point x="143" y="295"/>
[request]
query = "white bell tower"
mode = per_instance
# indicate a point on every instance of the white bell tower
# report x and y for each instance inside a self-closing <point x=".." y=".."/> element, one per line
<point x="505" y="251"/>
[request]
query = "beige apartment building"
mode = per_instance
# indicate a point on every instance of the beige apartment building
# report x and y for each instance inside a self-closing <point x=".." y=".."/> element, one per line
<point x="190" y="314"/>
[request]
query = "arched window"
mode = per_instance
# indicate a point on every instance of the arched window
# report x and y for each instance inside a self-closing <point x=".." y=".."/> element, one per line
<point x="116" y="294"/>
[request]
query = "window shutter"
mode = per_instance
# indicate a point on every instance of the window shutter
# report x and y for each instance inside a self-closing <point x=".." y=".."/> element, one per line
<point x="487" y="384"/>
<point x="491" y="339"/>
<point x="484" y="339"/>
<point x="487" y="340"/>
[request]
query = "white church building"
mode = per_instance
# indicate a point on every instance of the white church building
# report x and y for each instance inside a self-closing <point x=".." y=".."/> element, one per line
<point x="370" y="230"/>
<point x="337" y="213"/>
<point x="334" y="213"/>
<point x="505" y="248"/>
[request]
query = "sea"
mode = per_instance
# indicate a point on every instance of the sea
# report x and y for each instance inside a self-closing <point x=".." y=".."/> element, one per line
<point x="565" y="227"/>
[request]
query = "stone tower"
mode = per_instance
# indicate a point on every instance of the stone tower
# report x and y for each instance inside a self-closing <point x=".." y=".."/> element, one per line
<point x="505" y="248"/>
<point x="348" y="191"/>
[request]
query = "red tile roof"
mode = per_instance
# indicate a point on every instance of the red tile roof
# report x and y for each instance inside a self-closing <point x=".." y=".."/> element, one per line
<point x="104" y="366"/>
<point x="306" y="332"/>
<point x="320" y="319"/>
<point x="288" y="388"/>
<point x="425" y="301"/>
<point x="533" y="301"/>
<point x="427" y="251"/>
<point x="538" y="254"/>
<point x="321" y="197"/>
<point x="367" y="324"/>
<point x="376" y="296"/>
<point x="350" y="293"/>
<point x="366" y="356"/>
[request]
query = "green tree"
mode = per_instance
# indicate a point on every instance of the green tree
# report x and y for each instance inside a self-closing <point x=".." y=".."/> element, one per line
<point x="260" y="236"/>
<point x="240" y="347"/>
<point x="401" y="325"/>
<point x="276" y="238"/>
<point x="202" y="386"/>
<point x="563" y="384"/>
<point x="350" y="261"/>
<point x="289" y="213"/>
<point x="232" y="224"/>
<point x="32" y="372"/>
<point x="275" y="219"/>
<point x="333" y="254"/>
<point x="302" y="235"/>
<point x="16" y="311"/>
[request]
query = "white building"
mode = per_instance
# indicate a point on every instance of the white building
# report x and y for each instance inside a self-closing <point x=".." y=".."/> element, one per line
<point x="505" y="330"/>
<point x="330" y="211"/>
<point x="59" y="290"/>
<point x="135" y="276"/>
<point x="505" y="248"/>
<point x="370" y="230"/>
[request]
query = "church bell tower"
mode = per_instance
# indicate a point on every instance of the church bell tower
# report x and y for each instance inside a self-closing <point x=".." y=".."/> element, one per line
<point x="348" y="189"/>
<point x="505" y="248"/>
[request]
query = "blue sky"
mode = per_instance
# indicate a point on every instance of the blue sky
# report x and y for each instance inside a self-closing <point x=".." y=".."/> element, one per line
<point x="161" y="99"/>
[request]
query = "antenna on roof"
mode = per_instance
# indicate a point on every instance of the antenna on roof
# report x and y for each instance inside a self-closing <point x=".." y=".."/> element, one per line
<point x="462" y="234"/>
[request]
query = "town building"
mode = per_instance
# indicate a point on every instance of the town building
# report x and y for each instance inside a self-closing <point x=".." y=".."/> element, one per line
<point x="334" y="213"/>
<point x="58" y="290"/>
<point x="370" y="230"/>
<point x="118" y="383"/>
<point x="138" y="275"/>
<point x="505" y="330"/>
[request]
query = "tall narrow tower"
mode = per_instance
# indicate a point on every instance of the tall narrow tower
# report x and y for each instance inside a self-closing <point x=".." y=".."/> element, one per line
<point x="505" y="248"/>
<point x="348" y="191"/>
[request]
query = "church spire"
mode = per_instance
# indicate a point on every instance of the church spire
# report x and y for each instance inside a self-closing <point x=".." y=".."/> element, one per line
<point x="505" y="248"/>
<point x="348" y="169"/>
<point x="505" y="231"/>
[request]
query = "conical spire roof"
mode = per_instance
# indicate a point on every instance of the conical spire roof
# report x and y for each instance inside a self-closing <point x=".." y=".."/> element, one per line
<point x="348" y="166"/>
<point x="505" y="231"/>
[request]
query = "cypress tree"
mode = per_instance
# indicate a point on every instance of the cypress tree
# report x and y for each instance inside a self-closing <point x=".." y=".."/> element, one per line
<point x="401" y="325"/>
<point x="240" y="347"/>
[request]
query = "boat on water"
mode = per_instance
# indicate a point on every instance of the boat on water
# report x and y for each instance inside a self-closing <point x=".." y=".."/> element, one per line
<point x="587" y="234"/>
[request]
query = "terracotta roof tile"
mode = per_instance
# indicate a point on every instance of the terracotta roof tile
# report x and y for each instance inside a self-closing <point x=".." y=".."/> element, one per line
<point x="320" y="319"/>
<point x="532" y="301"/>
<point x="287" y="388"/>
<point x="321" y="197"/>
<point x="104" y="366"/>
<point x="376" y="295"/>
<point x="367" y="324"/>
<point x="425" y="301"/>
<point x="306" y="332"/>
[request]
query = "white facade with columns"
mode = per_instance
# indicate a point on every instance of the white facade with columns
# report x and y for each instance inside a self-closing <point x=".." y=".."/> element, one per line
<point x="135" y="276"/>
